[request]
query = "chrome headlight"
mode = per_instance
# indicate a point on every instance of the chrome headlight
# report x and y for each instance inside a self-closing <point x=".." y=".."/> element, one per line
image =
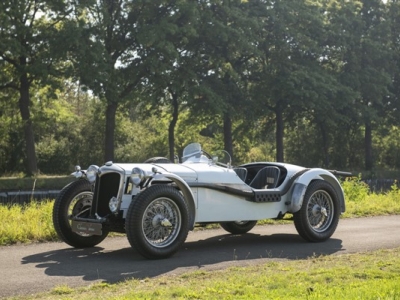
<point x="77" y="173"/>
<point x="91" y="173"/>
<point x="137" y="176"/>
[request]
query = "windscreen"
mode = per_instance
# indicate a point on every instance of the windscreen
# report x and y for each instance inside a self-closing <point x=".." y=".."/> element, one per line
<point x="191" y="150"/>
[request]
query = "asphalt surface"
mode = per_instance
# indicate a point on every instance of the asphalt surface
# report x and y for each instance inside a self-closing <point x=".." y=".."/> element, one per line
<point x="28" y="269"/>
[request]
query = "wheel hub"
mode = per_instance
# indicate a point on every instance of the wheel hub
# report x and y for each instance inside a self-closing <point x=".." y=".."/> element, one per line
<point x="324" y="211"/>
<point x="166" y="223"/>
<point x="160" y="220"/>
<point x="318" y="210"/>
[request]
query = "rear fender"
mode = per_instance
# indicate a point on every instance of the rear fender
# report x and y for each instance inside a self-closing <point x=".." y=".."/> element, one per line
<point x="301" y="184"/>
<point x="186" y="191"/>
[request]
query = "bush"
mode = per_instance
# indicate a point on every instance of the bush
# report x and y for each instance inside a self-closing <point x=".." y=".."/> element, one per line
<point x="355" y="190"/>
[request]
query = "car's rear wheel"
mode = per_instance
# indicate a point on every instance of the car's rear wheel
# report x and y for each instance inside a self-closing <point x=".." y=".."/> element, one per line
<point x="318" y="217"/>
<point x="157" y="222"/>
<point x="238" y="227"/>
<point x="74" y="200"/>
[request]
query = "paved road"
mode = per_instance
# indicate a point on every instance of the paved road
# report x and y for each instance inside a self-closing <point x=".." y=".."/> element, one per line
<point x="40" y="267"/>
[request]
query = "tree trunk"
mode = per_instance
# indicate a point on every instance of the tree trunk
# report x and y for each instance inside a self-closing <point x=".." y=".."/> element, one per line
<point x="228" y="144"/>
<point x="279" y="134"/>
<point x="110" y="131"/>
<point x="368" y="146"/>
<point x="172" y="124"/>
<point x="24" y="102"/>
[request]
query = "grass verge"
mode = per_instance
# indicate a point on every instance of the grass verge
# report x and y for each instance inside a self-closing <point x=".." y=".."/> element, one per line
<point x="371" y="275"/>
<point x="27" y="223"/>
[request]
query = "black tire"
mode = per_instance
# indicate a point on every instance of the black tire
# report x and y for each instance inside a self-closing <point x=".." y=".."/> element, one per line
<point x="144" y="228"/>
<point x="318" y="217"/>
<point x="159" y="160"/>
<point x="238" y="227"/>
<point x="74" y="198"/>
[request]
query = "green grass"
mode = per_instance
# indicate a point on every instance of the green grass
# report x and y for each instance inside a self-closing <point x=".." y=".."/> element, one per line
<point x="27" y="223"/>
<point x="373" y="275"/>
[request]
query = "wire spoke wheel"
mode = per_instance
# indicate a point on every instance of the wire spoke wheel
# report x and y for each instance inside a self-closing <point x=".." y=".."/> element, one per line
<point x="318" y="217"/>
<point x="157" y="221"/>
<point x="75" y="200"/>
<point x="320" y="211"/>
<point x="161" y="222"/>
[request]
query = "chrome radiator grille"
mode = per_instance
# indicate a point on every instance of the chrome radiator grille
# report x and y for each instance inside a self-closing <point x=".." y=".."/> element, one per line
<point x="106" y="187"/>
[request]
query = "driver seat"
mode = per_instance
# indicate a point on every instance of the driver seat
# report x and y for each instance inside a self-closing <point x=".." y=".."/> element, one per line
<point x="266" y="178"/>
<point x="241" y="173"/>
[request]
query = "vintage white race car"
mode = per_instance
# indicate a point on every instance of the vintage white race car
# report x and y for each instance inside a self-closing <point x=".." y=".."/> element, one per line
<point x="156" y="203"/>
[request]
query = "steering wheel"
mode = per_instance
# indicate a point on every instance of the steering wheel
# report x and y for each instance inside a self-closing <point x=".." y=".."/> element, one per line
<point x="206" y="154"/>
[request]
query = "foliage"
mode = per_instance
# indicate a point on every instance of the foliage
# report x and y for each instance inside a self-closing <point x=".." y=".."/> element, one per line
<point x="360" y="202"/>
<point x="11" y="147"/>
<point x="35" y="36"/>
<point x="313" y="83"/>
<point x="355" y="190"/>
<point x="387" y="145"/>
<point x="141" y="140"/>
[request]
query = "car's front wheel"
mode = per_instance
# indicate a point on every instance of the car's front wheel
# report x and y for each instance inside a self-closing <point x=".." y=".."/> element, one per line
<point x="238" y="227"/>
<point x="157" y="222"/>
<point x="74" y="200"/>
<point x="318" y="217"/>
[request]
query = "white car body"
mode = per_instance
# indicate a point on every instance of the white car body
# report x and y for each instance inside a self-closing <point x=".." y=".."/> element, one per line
<point x="211" y="205"/>
<point x="197" y="191"/>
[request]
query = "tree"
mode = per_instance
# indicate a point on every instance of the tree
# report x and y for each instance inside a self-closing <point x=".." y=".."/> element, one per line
<point x="120" y="50"/>
<point x="30" y="32"/>
<point x="105" y="40"/>
<point x="362" y="41"/>
<point x="173" y="61"/>
<point x="224" y="47"/>
<point x="10" y="142"/>
<point x="393" y="101"/>
<point x="287" y="77"/>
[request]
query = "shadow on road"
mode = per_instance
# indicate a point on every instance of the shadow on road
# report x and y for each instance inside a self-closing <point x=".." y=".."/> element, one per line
<point x="111" y="266"/>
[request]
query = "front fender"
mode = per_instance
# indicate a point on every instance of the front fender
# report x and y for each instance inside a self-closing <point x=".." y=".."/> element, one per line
<point x="301" y="184"/>
<point x="186" y="191"/>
